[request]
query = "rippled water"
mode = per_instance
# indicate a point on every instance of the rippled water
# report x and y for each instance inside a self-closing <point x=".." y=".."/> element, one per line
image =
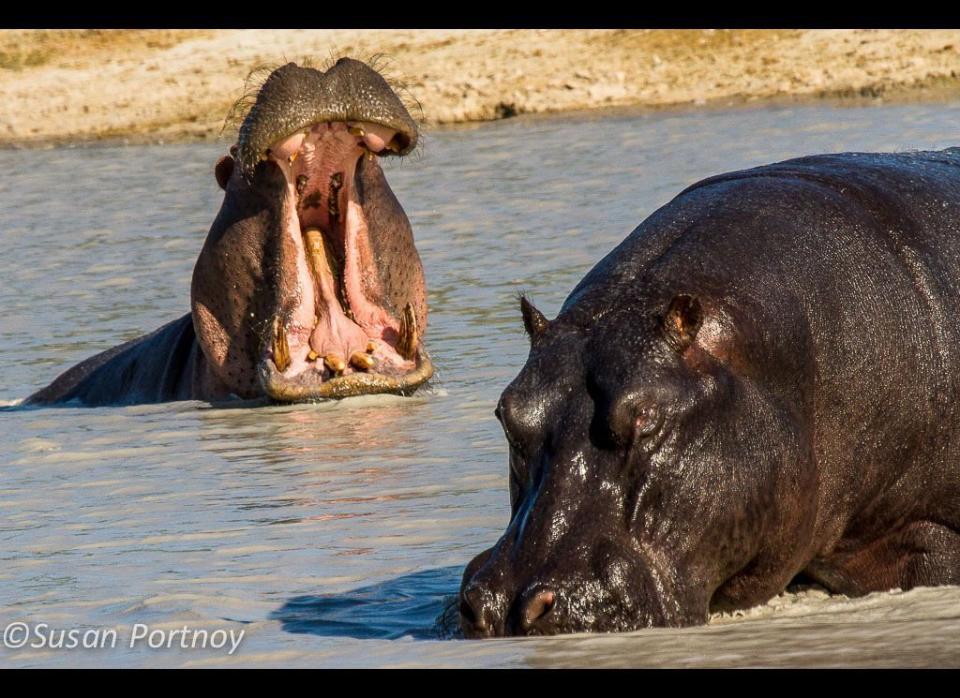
<point x="335" y="534"/>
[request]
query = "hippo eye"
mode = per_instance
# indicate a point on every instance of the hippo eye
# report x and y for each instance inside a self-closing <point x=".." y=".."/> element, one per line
<point x="646" y="420"/>
<point x="511" y="439"/>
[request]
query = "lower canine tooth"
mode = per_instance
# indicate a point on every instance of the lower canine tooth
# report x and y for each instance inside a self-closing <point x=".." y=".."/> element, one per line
<point x="313" y="356"/>
<point x="281" y="350"/>
<point x="361" y="361"/>
<point x="335" y="363"/>
<point x="407" y="342"/>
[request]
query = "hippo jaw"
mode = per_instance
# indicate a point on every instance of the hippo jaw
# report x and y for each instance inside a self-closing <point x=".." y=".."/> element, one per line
<point x="309" y="285"/>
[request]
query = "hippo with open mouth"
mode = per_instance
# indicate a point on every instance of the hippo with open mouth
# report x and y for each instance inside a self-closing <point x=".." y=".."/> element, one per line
<point x="309" y="285"/>
<point x="761" y="384"/>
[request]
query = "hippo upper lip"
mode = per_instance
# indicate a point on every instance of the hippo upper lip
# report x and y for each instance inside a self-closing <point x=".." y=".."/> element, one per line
<point x="295" y="97"/>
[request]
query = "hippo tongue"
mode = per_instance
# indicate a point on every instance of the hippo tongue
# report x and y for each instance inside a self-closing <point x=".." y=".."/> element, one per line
<point x="335" y="331"/>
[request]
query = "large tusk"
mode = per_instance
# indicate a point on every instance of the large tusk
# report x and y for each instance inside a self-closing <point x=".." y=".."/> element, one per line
<point x="281" y="350"/>
<point x="407" y="342"/>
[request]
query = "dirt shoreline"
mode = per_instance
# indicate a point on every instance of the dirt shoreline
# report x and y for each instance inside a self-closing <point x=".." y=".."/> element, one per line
<point x="73" y="86"/>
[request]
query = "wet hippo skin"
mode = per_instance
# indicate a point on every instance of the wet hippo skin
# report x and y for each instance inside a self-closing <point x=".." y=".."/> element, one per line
<point x="760" y="383"/>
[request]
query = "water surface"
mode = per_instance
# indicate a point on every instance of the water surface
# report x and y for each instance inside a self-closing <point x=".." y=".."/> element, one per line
<point x="334" y="534"/>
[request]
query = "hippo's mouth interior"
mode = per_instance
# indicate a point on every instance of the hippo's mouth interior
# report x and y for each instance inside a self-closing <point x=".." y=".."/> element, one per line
<point x="336" y="341"/>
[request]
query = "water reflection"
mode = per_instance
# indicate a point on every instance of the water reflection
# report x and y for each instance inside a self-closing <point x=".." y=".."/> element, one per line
<point x="328" y="431"/>
<point x="413" y="605"/>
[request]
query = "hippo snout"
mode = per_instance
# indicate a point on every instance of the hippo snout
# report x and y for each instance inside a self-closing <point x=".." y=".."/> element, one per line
<point x="483" y="614"/>
<point x="603" y="588"/>
<point x="489" y="607"/>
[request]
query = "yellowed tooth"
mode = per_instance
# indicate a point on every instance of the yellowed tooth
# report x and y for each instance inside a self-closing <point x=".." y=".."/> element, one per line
<point x="371" y="346"/>
<point x="335" y="363"/>
<point x="312" y="356"/>
<point x="361" y="361"/>
<point x="357" y="131"/>
<point x="293" y="157"/>
<point x="407" y="341"/>
<point x="281" y="350"/>
<point x="318" y="255"/>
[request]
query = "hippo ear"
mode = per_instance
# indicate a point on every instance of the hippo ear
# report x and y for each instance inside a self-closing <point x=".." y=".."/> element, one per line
<point x="533" y="320"/>
<point x="222" y="170"/>
<point x="682" y="321"/>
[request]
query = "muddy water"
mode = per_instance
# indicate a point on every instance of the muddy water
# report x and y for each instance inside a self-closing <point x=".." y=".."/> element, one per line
<point x="334" y="534"/>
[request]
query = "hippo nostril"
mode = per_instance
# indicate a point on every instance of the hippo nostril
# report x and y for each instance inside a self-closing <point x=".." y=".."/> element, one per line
<point x="467" y="614"/>
<point x="472" y="611"/>
<point x="537" y="606"/>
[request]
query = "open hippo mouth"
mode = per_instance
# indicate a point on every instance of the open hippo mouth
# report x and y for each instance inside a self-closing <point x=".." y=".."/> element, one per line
<point x="335" y="341"/>
<point x="309" y="285"/>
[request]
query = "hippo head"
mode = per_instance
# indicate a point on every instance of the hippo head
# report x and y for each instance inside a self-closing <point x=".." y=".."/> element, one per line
<point x="309" y="285"/>
<point x="642" y="469"/>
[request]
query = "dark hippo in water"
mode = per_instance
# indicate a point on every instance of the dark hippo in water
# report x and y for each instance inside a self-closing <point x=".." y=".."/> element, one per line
<point x="309" y="285"/>
<point x="761" y="383"/>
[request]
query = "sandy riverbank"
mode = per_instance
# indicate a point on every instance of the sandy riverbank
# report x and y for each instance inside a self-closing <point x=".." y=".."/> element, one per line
<point x="61" y="85"/>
